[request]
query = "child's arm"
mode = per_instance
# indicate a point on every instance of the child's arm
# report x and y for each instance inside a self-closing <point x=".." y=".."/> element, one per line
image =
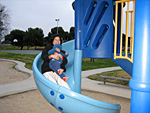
<point x="51" y="51"/>
<point x="63" y="53"/>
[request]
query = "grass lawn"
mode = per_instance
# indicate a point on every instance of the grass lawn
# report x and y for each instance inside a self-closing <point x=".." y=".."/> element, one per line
<point x="26" y="58"/>
<point x="11" y="47"/>
<point x="98" y="63"/>
<point x="116" y="73"/>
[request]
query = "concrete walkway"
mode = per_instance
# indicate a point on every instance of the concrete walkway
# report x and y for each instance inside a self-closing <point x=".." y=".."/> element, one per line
<point x="87" y="84"/>
<point x="108" y="88"/>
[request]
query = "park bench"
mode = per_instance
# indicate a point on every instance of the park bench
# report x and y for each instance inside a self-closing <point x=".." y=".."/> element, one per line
<point x="113" y="78"/>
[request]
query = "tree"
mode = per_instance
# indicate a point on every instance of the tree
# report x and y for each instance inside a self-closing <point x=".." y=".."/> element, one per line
<point x="39" y="35"/>
<point x="18" y="36"/>
<point x="72" y="33"/>
<point x="34" y="37"/>
<point x="47" y="38"/>
<point x="4" y="22"/>
<point x="60" y="31"/>
<point x="66" y="36"/>
<point x="8" y="39"/>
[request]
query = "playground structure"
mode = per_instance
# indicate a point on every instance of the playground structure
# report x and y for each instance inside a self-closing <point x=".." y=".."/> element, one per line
<point x="94" y="39"/>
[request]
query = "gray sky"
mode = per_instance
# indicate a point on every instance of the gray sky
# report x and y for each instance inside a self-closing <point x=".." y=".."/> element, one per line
<point x="40" y="13"/>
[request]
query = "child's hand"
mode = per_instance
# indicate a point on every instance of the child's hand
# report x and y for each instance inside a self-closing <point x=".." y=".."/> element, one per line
<point x="60" y="56"/>
<point x="57" y="49"/>
<point x="66" y="53"/>
<point x="55" y="56"/>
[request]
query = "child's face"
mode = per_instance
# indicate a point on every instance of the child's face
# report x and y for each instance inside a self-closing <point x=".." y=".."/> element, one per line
<point x="56" y="40"/>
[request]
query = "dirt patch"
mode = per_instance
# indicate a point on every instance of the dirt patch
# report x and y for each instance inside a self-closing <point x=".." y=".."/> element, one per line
<point x="34" y="102"/>
<point x="9" y="74"/>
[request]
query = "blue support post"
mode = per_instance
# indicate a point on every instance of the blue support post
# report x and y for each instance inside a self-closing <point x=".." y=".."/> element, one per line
<point x="78" y="46"/>
<point x="140" y="82"/>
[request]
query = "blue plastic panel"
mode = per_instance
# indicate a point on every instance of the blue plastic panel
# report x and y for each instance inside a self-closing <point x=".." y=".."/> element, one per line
<point x="82" y="104"/>
<point x="125" y="65"/>
<point x="95" y="23"/>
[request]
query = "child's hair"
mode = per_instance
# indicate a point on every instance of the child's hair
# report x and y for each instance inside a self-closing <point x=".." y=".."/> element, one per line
<point x="53" y="37"/>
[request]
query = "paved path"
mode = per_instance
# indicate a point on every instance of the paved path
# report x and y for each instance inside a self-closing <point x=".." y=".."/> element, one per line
<point x="108" y="88"/>
<point x="87" y="84"/>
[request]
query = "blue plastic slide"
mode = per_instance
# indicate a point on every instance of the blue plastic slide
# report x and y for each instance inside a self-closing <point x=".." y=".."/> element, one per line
<point x="65" y="100"/>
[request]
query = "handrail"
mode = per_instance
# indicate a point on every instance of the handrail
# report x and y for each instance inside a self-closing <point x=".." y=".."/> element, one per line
<point x="124" y="54"/>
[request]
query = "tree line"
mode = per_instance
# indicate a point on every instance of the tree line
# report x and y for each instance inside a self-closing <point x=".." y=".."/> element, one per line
<point x="34" y="37"/>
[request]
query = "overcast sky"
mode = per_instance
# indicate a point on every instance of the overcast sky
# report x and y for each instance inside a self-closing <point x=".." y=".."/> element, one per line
<point x="40" y="13"/>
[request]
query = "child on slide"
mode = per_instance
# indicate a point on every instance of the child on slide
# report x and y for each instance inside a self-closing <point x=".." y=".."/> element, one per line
<point x="54" y="64"/>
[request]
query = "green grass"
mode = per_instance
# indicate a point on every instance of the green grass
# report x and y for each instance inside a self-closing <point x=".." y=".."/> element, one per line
<point x="26" y="58"/>
<point x="117" y="73"/>
<point x="11" y="47"/>
<point x="98" y="63"/>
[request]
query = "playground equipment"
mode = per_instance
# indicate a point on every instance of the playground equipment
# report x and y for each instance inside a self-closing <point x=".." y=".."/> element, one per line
<point x="94" y="39"/>
<point x="124" y="58"/>
<point x="65" y="100"/>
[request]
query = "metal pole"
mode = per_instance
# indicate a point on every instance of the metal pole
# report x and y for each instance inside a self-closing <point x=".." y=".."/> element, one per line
<point x="57" y="20"/>
<point x="140" y="82"/>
